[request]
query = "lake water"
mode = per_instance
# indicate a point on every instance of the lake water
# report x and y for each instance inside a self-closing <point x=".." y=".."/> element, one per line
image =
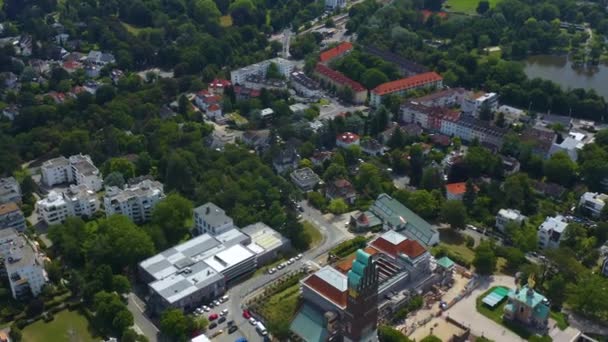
<point x="559" y="70"/>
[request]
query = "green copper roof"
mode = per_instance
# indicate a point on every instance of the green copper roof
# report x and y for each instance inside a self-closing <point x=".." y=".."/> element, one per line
<point x="445" y="262"/>
<point x="534" y="300"/>
<point x="356" y="272"/>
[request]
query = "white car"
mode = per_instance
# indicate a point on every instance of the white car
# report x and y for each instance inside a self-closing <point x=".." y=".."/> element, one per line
<point x="299" y="256"/>
<point x="225" y="299"/>
<point x="224" y="312"/>
<point x="252" y="321"/>
<point x="290" y="261"/>
<point x="280" y="266"/>
<point x="216" y="303"/>
<point x="206" y="308"/>
<point x="199" y="311"/>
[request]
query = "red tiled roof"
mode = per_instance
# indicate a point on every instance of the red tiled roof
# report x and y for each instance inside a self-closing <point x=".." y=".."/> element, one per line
<point x="338" y="77"/>
<point x="211" y="99"/>
<point x="426" y="14"/>
<point x="347" y="137"/>
<point x="342" y="183"/>
<point x="213" y="108"/>
<point x="347" y="263"/>
<point x="219" y="83"/>
<point x="411" y="248"/>
<point x="456" y="188"/>
<point x="407" y="83"/>
<point x="335" y="51"/>
<point x="203" y="93"/>
<point x="334" y="295"/>
<point x="72" y="65"/>
<point x="363" y="219"/>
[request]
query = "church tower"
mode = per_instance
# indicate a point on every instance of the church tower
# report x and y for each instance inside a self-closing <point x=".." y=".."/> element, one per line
<point x="361" y="314"/>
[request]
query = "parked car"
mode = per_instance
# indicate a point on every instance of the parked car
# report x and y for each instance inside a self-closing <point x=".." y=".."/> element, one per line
<point x="252" y="321"/>
<point x="232" y="329"/>
<point x="280" y="266"/>
<point x="219" y="332"/>
<point x="299" y="256"/>
<point x="216" y="303"/>
<point x="206" y="308"/>
<point x="230" y="323"/>
<point x="213" y="317"/>
<point x="221" y="320"/>
<point x="224" y="312"/>
<point x="225" y="298"/>
<point x="212" y="325"/>
<point x="272" y="270"/>
<point x="246" y="314"/>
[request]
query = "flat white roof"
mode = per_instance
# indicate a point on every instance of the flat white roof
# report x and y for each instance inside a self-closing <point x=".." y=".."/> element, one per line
<point x="393" y="237"/>
<point x="200" y="338"/>
<point x="557" y="224"/>
<point x="333" y="277"/>
<point x="229" y="257"/>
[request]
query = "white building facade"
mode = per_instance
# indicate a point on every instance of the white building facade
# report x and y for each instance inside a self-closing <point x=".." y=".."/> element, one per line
<point x="23" y="264"/>
<point x="551" y="232"/>
<point x="77" y="169"/>
<point x="136" y="201"/>
<point x="593" y="203"/>
<point x="211" y="219"/>
<point x="284" y="66"/>
<point x="505" y="216"/>
<point x="78" y="200"/>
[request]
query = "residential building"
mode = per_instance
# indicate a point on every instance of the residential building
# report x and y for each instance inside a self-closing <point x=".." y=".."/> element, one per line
<point x="604" y="268"/>
<point x="451" y="97"/>
<point x="78" y="169"/>
<point x="552" y="119"/>
<point x="305" y="179"/>
<point x="372" y="147"/>
<point x="284" y="66"/>
<point x="100" y="58"/>
<point x="402" y="86"/>
<point x="473" y="103"/>
<point x="259" y="82"/>
<point x="593" y="203"/>
<point x="341" y="188"/>
<point x="455" y="191"/>
<point x="22" y="264"/>
<point x="320" y="157"/>
<point x="258" y="140"/>
<point x="510" y="165"/>
<point x="347" y="139"/>
<point x="406" y="67"/>
<point x="211" y="219"/>
<point x="304" y="85"/>
<point x="335" y="4"/>
<point x="10" y="191"/>
<point x="337" y="51"/>
<point x="287" y="159"/>
<point x="339" y="80"/>
<point x="540" y="139"/>
<point x="505" y="216"/>
<point x="396" y="216"/>
<point x="551" y="232"/>
<point x="218" y="85"/>
<point x="136" y="201"/>
<point x="77" y="200"/>
<point x="552" y="190"/>
<point x="570" y="146"/>
<point x="528" y="307"/>
<point x="11" y="112"/>
<point x="11" y="217"/>
<point x="266" y="113"/>
<point x="266" y="243"/>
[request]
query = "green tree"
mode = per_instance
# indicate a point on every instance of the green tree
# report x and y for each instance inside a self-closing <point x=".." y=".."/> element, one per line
<point x="273" y="72"/>
<point x="560" y="169"/>
<point x="15" y="334"/>
<point x="589" y="296"/>
<point x="121" y="284"/>
<point x="454" y="213"/>
<point x="485" y="258"/>
<point x="485" y="112"/>
<point x="422" y="203"/>
<point x="432" y="178"/>
<point x="172" y="215"/>
<point x="114" y="179"/>
<point x="111" y="314"/>
<point x="337" y="206"/>
<point x="387" y="333"/>
<point x="431" y="338"/>
<point x="316" y="199"/>
<point x="468" y="199"/>
<point x="175" y="325"/>
<point x="373" y="77"/>
<point x="524" y="237"/>
<point x="121" y="165"/>
<point x="556" y="290"/>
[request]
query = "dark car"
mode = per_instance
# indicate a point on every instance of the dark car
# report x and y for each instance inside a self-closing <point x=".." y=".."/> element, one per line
<point x="221" y="320"/>
<point x="232" y="329"/>
<point x="230" y="323"/>
<point x="212" y="325"/>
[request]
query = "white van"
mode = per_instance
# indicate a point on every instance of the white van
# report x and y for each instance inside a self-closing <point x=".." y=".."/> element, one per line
<point x="261" y="329"/>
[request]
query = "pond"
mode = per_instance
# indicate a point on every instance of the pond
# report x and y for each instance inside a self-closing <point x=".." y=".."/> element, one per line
<point x="559" y="70"/>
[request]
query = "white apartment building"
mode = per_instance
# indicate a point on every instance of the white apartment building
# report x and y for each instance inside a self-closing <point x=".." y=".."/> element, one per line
<point x="77" y="169"/>
<point x="334" y="4"/>
<point x="551" y="232"/>
<point x="505" y="216"/>
<point x="472" y="104"/>
<point x="78" y="200"/>
<point x="593" y="203"/>
<point x="22" y="264"/>
<point x="10" y="191"/>
<point x="239" y="76"/>
<point x="211" y="219"/>
<point x="135" y="202"/>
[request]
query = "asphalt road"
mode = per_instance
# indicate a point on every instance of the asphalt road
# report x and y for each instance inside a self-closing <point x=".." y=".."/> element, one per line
<point x="141" y="322"/>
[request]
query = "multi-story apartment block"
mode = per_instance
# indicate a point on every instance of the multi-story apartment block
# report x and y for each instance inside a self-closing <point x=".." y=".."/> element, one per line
<point x="402" y="86"/>
<point x="211" y="219"/>
<point x="239" y="76"/>
<point x="339" y="80"/>
<point x="452" y="97"/>
<point x="473" y="103"/>
<point x="77" y="169"/>
<point x="550" y="233"/>
<point x="22" y="263"/>
<point x="10" y="191"/>
<point x="505" y="216"/>
<point x="78" y="200"/>
<point x="11" y="217"/>
<point x="136" y="201"/>
<point x="304" y="85"/>
<point x="593" y="203"/>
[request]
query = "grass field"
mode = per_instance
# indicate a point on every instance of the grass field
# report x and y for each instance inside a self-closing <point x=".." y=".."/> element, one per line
<point x="465" y="6"/>
<point x="455" y="244"/>
<point x="313" y="232"/>
<point x="226" y="21"/>
<point x="66" y="326"/>
<point x="281" y="306"/>
<point x="495" y="314"/>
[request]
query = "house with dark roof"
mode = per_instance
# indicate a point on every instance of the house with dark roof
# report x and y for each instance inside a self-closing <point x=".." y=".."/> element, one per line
<point x="341" y="188"/>
<point x="540" y="139"/>
<point x="372" y="147"/>
<point x="258" y="139"/>
<point x="320" y="157"/>
<point x="405" y="66"/>
<point x="287" y="159"/>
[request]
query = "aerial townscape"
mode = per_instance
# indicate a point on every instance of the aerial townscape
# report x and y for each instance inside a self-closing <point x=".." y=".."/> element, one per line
<point x="303" y="170"/>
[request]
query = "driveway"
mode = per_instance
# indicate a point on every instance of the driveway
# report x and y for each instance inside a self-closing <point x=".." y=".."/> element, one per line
<point x="465" y="312"/>
<point x="142" y="324"/>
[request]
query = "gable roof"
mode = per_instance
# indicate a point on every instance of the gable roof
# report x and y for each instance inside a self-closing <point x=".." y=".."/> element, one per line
<point x="456" y="188"/>
<point x="407" y="83"/>
<point x="338" y="77"/>
<point x="334" y="52"/>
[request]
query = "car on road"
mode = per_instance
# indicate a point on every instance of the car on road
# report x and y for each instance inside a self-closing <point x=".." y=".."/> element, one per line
<point x="300" y="208"/>
<point x="246" y="314"/>
<point x="299" y="256"/>
<point x="211" y="305"/>
<point x="242" y="339"/>
<point x="216" y="303"/>
<point x="198" y="311"/>
<point x="224" y="312"/>
<point x="252" y="321"/>
<point x="213" y="317"/>
<point x="471" y="227"/>
<point x="299" y="217"/>
<point x="272" y="270"/>
<point x="281" y="266"/>
<point x="219" y="332"/>
<point x="212" y="325"/>
<point x="224" y="299"/>
<point x="206" y="308"/>
<point x="232" y="329"/>
<point x="221" y="320"/>
<point x="290" y="261"/>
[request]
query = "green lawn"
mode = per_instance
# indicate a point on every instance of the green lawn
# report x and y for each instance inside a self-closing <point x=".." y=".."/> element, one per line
<point x="282" y="306"/>
<point x="66" y="326"/>
<point x="495" y="314"/>
<point x="465" y="6"/>
<point x="454" y="243"/>
<point x="313" y="232"/>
